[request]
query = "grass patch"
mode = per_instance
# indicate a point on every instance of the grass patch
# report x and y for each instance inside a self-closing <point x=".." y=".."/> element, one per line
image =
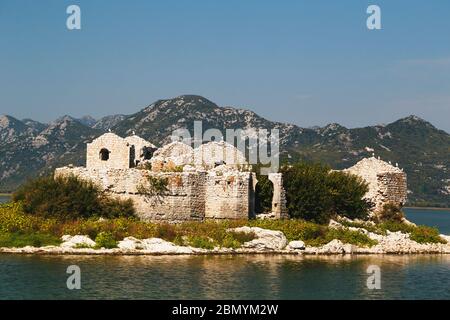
<point x="364" y="225"/>
<point x="424" y="234"/>
<point x="314" y="234"/>
<point x="19" y="240"/>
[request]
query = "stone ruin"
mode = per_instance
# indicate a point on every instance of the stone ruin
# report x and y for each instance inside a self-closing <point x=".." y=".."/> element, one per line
<point x="386" y="182"/>
<point x="212" y="181"/>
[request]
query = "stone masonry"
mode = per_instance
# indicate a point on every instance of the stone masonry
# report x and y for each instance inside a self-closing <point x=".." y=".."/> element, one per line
<point x="200" y="182"/>
<point x="386" y="182"/>
<point x="208" y="182"/>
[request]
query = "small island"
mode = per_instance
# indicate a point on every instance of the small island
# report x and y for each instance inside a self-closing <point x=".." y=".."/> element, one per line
<point x="133" y="198"/>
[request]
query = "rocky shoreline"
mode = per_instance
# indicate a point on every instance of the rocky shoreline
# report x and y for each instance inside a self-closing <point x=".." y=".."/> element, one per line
<point x="265" y="242"/>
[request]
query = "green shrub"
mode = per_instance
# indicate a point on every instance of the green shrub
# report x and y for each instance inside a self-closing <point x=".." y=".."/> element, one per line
<point x="155" y="187"/>
<point x="395" y="226"/>
<point x="315" y="193"/>
<point x="201" y="242"/>
<point x="350" y="237"/>
<point x="230" y="242"/>
<point x="390" y="212"/>
<point x="105" y="240"/>
<point x="166" y="231"/>
<point x="313" y="234"/>
<point x="67" y="198"/>
<point x="18" y="240"/>
<point x="424" y="234"/>
<point x="347" y="193"/>
<point x="242" y="237"/>
<point x="294" y="229"/>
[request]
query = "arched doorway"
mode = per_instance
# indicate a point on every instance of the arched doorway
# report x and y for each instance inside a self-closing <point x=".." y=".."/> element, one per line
<point x="263" y="195"/>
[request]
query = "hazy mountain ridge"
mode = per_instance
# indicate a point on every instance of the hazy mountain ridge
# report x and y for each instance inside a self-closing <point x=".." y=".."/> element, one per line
<point x="28" y="147"/>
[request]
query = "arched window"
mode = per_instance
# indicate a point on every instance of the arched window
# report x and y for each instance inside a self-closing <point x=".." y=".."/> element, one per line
<point x="104" y="154"/>
<point x="147" y="153"/>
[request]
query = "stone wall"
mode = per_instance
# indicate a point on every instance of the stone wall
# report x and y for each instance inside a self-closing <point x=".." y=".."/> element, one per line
<point x="118" y="152"/>
<point x="391" y="188"/>
<point x="279" y="209"/>
<point x="386" y="182"/>
<point x="185" y="199"/>
<point x="229" y="195"/>
<point x="142" y="148"/>
<point x="191" y="195"/>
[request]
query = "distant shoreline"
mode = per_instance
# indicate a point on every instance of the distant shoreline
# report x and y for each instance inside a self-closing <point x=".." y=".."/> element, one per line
<point x="429" y="208"/>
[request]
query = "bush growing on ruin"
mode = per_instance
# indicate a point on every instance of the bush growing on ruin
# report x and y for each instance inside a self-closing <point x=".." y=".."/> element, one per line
<point x="315" y="194"/>
<point x="69" y="198"/>
<point x="390" y="212"/>
<point x="156" y="187"/>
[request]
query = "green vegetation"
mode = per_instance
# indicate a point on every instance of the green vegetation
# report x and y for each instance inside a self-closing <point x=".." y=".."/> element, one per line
<point x="105" y="240"/>
<point x="263" y="194"/>
<point x="18" y="240"/>
<point x="391" y="219"/>
<point x="18" y="229"/>
<point x="156" y="187"/>
<point x="106" y="232"/>
<point x="391" y="212"/>
<point x="314" y="193"/>
<point x="67" y="198"/>
<point x="207" y="234"/>
<point x="313" y="234"/>
<point x="425" y="234"/>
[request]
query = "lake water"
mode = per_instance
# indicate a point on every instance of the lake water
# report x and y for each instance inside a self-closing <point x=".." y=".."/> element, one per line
<point x="233" y="277"/>
<point x="225" y="277"/>
<point x="430" y="217"/>
<point x="4" y="199"/>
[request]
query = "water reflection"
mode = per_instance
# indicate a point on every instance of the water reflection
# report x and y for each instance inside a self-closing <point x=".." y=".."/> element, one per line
<point x="226" y="277"/>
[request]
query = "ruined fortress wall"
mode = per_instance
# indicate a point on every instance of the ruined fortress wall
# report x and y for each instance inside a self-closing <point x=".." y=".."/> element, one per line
<point x="386" y="182"/>
<point x="119" y="152"/>
<point x="229" y="196"/>
<point x="279" y="208"/>
<point x="185" y="199"/>
<point x="391" y="188"/>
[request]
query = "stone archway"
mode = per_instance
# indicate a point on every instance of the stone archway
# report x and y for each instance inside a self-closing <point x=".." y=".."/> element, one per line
<point x="279" y="209"/>
<point x="264" y="191"/>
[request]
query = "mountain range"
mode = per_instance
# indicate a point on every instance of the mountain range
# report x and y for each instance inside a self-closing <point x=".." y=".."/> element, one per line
<point x="29" y="148"/>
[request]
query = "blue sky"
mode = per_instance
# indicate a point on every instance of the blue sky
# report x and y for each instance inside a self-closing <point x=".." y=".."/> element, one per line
<point x="303" y="62"/>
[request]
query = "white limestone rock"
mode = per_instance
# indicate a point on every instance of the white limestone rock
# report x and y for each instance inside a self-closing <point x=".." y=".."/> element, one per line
<point x="334" y="224"/>
<point x="446" y="238"/>
<point x="333" y="247"/>
<point x="76" y="241"/>
<point x="130" y="243"/>
<point x="265" y="239"/>
<point x="160" y="246"/>
<point x="296" y="245"/>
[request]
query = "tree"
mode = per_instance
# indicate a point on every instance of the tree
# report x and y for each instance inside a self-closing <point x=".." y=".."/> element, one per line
<point x="314" y="192"/>
<point x="68" y="198"/>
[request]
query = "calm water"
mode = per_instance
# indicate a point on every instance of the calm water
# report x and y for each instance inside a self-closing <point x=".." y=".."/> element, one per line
<point x="4" y="199"/>
<point x="430" y="217"/>
<point x="225" y="277"/>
